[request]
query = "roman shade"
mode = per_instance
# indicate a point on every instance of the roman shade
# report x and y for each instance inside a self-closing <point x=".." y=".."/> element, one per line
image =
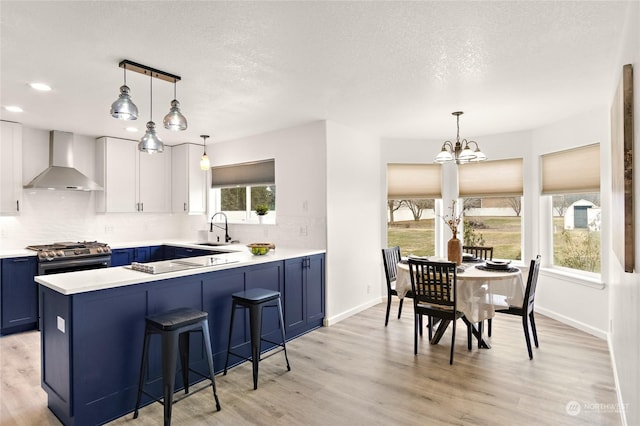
<point x="413" y="181"/>
<point x="244" y="174"/>
<point x="498" y="178"/>
<point x="571" y="171"/>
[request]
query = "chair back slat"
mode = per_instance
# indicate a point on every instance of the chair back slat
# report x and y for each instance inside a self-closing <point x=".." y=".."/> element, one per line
<point x="433" y="282"/>
<point x="390" y="258"/>
<point x="479" y="252"/>
<point x="532" y="281"/>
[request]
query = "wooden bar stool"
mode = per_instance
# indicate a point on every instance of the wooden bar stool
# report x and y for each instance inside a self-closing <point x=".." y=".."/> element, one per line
<point x="254" y="300"/>
<point x="174" y="328"/>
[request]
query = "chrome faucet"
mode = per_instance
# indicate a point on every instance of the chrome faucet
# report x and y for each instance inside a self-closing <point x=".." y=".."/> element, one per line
<point x="227" y="238"/>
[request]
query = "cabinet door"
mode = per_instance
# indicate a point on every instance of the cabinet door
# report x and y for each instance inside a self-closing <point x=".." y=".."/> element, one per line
<point x="10" y="167"/>
<point x="121" y="257"/>
<point x="197" y="183"/>
<point x="156" y="253"/>
<point x="141" y="254"/>
<point x="116" y="171"/>
<point x="179" y="181"/>
<point x="294" y="294"/>
<point x="154" y="182"/>
<point x="19" y="292"/>
<point x="315" y="288"/>
<point x="189" y="182"/>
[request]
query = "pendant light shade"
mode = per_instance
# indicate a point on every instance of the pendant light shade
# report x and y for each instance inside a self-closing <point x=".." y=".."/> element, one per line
<point x="150" y="142"/>
<point x="174" y="120"/>
<point x="204" y="160"/>
<point x="123" y="108"/>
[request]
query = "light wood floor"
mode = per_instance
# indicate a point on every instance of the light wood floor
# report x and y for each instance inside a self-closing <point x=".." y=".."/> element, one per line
<point x="358" y="372"/>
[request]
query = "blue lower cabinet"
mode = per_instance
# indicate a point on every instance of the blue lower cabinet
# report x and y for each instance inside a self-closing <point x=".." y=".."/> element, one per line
<point x="121" y="257"/>
<point x="182" y="252"/>
<point x="92" y="342"/>
<point x="304" y="294"/>
<point x="157" y="253"/>
<point x="19" y="294"/>
<point x="141" y="254"/>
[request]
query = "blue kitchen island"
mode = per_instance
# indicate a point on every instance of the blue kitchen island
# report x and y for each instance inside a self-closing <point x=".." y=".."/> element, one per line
<point x="92" y="322"/>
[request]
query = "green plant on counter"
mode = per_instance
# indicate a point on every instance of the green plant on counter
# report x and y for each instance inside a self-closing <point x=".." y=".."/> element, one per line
<point x="262" y="209"/>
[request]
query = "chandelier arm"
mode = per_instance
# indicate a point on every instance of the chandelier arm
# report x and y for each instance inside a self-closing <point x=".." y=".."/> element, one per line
<point x="447" y="144"/>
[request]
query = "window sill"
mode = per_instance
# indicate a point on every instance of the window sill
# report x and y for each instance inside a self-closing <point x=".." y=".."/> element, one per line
<point x="586" y="279"/>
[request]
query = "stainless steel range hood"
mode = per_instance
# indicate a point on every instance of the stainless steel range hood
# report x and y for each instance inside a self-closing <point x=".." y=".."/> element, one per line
<point x="61" y="174"/>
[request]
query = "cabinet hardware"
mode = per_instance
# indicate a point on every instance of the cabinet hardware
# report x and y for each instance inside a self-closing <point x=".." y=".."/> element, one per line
<point x="18" y="205"/>
<point x="185" y="207"/>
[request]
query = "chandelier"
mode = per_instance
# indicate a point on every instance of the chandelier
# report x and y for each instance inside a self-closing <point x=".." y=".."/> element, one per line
<point x="460" y="152"/>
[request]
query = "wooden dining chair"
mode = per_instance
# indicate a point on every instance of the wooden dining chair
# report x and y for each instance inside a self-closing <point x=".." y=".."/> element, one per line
<point x="434" y="287"/>
<point x="484" y="253"/>
<point x="479" y="252"/>
<point x="526" y="310"/>
<point x="390" y="258"/>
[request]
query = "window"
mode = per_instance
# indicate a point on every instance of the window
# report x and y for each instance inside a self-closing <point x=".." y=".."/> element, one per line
<point x="238" y="189"/>
<point x="492" y="202"/>
<point x="494" y="222"/>
<point x="411" y="193"/>
<point x="572" y="179"/>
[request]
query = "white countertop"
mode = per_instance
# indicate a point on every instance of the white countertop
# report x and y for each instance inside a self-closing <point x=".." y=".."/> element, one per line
<point x="101" y="279"/>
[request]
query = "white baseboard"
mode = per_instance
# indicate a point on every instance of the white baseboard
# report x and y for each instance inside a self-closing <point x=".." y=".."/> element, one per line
<point x="623" y="413"/>
<point x="573" y="323"/>
<point x="329" y="321"/>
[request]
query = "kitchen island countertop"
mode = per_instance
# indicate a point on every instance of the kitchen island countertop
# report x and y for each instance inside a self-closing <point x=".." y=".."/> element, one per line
<point x="100" y="279"/>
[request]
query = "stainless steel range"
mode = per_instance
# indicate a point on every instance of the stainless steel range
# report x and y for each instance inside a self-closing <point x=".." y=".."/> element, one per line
<point x="68" y="256"/>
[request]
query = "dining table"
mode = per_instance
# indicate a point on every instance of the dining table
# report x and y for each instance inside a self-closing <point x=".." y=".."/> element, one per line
<point x="480" y="292"/>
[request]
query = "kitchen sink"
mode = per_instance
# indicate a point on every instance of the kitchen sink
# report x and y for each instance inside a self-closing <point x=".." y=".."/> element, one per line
<point x="206" y="243"/>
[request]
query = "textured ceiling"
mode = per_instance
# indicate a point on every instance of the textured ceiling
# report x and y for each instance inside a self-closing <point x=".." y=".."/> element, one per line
<point x="390" y="69"/>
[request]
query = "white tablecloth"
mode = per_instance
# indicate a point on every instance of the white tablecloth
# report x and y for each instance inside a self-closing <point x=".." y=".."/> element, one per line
<point x="480" y="293"/>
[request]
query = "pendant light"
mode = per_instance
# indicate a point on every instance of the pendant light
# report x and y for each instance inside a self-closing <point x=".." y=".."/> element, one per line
<point x="204" y="160"/>
<point x="123" y="108"/>
<point x="174" y="120"/>
<point x="150" y="142"/>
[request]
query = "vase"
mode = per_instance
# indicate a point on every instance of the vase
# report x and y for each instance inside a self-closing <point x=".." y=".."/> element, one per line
<point x="260" y="218"/>
<point x="454" y="250"/>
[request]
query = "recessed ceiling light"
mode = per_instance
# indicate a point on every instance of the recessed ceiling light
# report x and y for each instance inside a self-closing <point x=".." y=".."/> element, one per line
<point x="131" y="129"/>
<point x="40" y="86"/>
<point x="13" y="108"/>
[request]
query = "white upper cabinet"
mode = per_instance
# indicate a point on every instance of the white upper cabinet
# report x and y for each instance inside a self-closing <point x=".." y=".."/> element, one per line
<point x="10" y="168"/>
<point x="133" y="181"/>
<point x="189" y="183"/>
<point x="154" y="182"/>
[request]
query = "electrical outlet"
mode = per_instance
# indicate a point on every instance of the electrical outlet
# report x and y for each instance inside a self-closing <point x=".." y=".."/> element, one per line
<point x="303" y="231"/>
<point x="368" y="288"/>
<point x="108" y="229"/>
<point x="4" y="233"/>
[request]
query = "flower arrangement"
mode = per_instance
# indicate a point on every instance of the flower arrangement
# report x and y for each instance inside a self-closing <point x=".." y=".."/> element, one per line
<point x="454" y="220"/>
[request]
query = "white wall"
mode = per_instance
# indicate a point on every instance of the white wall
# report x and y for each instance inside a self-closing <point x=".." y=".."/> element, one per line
<point x="354" y="265"/>
<point x="557" y="293"/>
<point x="300" y="168"/>
<point x="624" y="298"/>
